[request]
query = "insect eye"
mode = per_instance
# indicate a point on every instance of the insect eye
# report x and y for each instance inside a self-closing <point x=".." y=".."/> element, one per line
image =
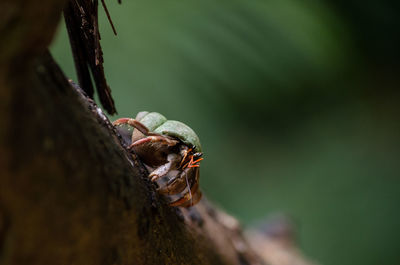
<point x="197" y="155"/>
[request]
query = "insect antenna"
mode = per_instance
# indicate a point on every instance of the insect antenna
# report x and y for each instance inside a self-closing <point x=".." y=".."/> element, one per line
<point x="190" y="191"/>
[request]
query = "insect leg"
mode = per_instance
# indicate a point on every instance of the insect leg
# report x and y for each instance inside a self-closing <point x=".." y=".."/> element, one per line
<point x="193" y="195"/>
<point x="134" y="123"/>
<point x="189" y="199"/>
<point x="155" y="138"/>
<point x="164" y="169"/>
<point x="177" y="184"/>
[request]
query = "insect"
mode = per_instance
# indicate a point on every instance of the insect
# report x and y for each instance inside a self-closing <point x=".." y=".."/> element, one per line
<point x="171" y="152"/>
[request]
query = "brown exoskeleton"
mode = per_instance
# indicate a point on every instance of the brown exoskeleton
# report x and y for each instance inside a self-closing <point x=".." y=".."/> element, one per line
<point x="171" y="151"/>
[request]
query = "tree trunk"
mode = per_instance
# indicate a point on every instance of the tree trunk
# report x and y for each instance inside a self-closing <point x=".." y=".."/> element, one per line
<point x="69" y="192"/>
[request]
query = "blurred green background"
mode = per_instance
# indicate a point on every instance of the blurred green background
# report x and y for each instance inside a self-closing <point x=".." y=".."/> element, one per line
<point x="296" y="104"/>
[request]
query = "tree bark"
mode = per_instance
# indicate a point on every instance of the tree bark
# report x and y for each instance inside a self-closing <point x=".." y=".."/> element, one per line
<point x="69" y="191"/>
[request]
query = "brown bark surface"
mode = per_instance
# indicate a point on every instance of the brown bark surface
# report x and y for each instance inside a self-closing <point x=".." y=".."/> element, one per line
<point x="69" y="192"/>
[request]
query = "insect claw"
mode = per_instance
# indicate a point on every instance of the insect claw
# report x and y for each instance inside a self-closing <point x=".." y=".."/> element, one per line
<point x="154" y="177"/>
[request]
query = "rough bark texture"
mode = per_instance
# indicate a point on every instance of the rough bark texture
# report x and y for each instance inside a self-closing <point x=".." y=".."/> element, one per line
<point x="69" y="192"/>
